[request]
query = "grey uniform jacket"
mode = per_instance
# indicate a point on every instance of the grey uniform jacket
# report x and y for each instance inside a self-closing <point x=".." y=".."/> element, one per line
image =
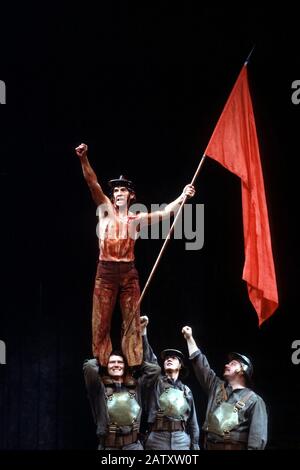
<point x="97" y="393"/>
<point x="155" y="386"/>
<point x="253" y="420"/>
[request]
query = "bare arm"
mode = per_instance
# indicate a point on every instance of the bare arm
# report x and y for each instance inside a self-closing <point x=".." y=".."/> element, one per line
<point x="90" y="176"/>
<point x="169" y="210"/>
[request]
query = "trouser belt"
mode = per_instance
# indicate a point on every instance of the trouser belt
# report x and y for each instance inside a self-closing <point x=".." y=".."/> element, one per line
<point x="119" y="440"/>
<point x="167" y="425"/>
<point x="226" y="445"/>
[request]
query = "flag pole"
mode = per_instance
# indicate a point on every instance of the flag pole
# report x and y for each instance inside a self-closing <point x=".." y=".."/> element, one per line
<point x="250" y="54"/>
<point x="168" y="236"/>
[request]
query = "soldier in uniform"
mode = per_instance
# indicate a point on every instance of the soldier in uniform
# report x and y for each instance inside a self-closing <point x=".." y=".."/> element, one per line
<point x="236" y="417"/>
<point x="169" y="405"/>
<point x="116" y="273"/>
<point x="115" y="399"/>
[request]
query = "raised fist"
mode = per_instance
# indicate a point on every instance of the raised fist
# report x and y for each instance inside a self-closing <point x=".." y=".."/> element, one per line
<point x="187" y="332"/>
<point x="144" y="320"/>
<point x="81" y="150"/>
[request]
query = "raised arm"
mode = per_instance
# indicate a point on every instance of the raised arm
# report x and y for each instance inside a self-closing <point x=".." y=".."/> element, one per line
<point x="91" y="374"/>
<point x="205" y="375"/>
<point x="150" y="368"/>
<point x="90" y="176"/>
<point x="93" y="384"/>
<point x="148" y="354"/>
<point x="169" y="210"/>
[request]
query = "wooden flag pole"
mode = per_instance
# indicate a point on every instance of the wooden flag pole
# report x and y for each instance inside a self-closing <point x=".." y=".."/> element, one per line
<point x="163" y="247"/>
<point x="168" y="237"/>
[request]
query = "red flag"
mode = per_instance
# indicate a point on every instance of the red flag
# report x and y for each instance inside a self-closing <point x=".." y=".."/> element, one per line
<point x="234" y="144"/>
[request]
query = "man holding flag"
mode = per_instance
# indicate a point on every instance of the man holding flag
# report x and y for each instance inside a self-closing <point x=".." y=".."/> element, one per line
<point x="116" y="272"/>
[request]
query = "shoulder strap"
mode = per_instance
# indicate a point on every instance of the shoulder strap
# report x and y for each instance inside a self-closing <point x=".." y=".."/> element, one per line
<point x="109" y="391"/>
<point x="221" y="394"/>
<point x="186" y="390"/>
<point x="241" y="403"/>
<point x="224" y="393"/>
<point x="166" y="385"/>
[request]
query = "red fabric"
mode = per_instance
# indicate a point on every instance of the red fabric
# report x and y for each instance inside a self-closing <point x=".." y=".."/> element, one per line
<point x="234" y="144"/>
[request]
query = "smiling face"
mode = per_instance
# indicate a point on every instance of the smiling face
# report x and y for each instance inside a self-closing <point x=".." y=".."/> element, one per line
<point x="121" y="196"/>
<point x="172" y="364"/>
<point x="116" y="366"/>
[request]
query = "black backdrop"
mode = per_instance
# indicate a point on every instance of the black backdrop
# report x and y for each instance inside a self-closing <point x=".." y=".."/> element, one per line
<point x="144" y="88"/>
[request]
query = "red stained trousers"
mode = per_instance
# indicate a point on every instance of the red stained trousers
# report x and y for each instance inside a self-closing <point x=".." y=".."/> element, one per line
<point x="115" y="278"/>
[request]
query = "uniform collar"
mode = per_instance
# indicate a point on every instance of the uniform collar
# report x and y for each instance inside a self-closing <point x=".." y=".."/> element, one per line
<point x="176" y="382"/>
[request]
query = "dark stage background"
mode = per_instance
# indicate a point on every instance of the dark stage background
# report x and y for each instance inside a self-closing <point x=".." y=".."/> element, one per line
<point x="143" y="87"/>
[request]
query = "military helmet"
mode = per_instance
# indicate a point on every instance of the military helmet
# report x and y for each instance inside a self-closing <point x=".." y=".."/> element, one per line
<point x="180" y="356"/>
<point x="172" y="352"/>
<point x="245" y="363"/>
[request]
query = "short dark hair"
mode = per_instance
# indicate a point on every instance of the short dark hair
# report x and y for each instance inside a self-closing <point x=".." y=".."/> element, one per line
<point x="117" y="352"/>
